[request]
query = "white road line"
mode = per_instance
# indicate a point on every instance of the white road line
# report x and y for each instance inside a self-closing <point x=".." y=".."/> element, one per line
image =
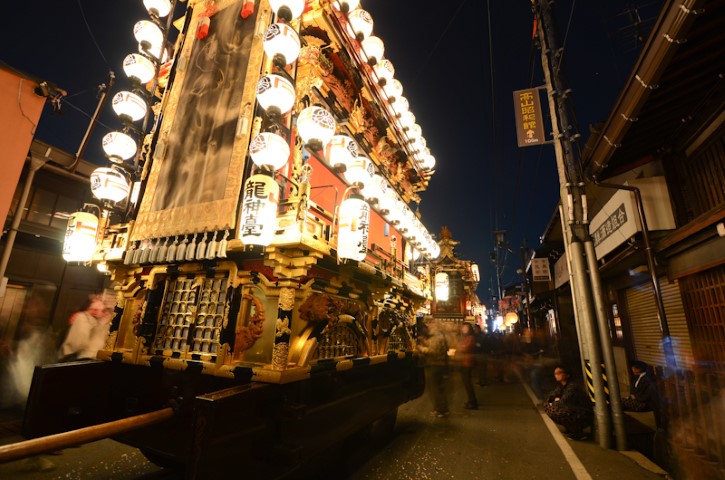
<point x="580" y="472"/>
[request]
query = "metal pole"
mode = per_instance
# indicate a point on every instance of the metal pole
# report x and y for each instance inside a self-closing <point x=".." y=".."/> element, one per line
<point x="35" y="165"/>
<point x="572" y="211"/>
<point x="105" y="89"/>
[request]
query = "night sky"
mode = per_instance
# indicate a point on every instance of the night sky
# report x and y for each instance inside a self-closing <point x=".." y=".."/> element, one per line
<point x="457" y="73"/>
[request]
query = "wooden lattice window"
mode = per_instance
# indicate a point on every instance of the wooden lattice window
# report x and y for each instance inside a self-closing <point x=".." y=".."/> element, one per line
<point x="700" y="181"/>
<point x="703" y="296"/>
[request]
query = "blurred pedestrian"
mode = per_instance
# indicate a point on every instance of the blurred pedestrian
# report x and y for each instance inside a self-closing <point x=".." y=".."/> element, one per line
<point x="568" y="405"/>
<point x="480" y="355"/>
<point x="434" y="347"/>
<point x="88" y="331"/>
<point x="464" y="354"/>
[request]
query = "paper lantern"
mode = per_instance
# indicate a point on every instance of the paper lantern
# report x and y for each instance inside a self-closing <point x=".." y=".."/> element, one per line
<point x="359" y="173"/>
<point x="109" y="184"/>
<point x="119" y="145"/>
<point x="79" y="244"/>
<point x="374" y="49"/>
<point x="511" y="318"/>
<point x="316" y="127"/>
<point x="160" y="8"/>
<point x="346" y="5"/>
<point x="259" y="210"/>
<point x="275" y="94"/>
<point x="287" y="10"/>
<point x="340" y="152"/>
<point x="139" y="68"/>
<point x="361" y="23"/>
<point x="442" y="287"/>
<point x="281" y="43"/>
<point x="149" y="35"/>
<point x="129" y="105"/>
<point x="269" y="149"/>
<point x="354" y="224"/>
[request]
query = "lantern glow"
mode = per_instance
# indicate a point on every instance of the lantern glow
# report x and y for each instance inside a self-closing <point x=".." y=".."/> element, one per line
<point x="275" y="94"/>
<point x="442" y="287"/>
<point x="316" y="127"/>
<point x="79" y="244"/>
<point x="109" y="184"/>
<point x="354" y="223"/>
<point x="269" y="149"/>
<point x="259" y="210"/>
<point x="281" y="43"/>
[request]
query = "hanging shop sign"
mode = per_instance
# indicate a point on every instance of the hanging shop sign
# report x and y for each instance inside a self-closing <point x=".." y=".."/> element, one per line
<point x="529" y="121"/>
<point x="540" y="270"/>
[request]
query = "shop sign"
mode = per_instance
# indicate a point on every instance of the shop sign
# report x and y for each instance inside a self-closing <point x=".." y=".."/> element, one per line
<point x="529" y="122"/>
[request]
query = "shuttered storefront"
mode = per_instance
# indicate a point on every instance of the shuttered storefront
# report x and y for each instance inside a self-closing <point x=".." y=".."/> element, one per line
<point x="646" y="334"/>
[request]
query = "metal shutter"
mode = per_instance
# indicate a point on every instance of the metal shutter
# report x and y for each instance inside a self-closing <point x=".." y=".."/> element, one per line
<point x="646" y="334"/>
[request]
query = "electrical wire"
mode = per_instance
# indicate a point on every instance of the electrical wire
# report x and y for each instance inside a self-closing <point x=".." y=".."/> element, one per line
<point x="568" y="26"/>
<point x="443" y="34"/>
<point x="93" y="38"/>
<point x="78" y="109"/>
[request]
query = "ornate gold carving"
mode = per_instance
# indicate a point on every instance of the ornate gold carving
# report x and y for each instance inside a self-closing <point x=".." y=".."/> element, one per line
<point x="246" y="335"/>
<point x="286" y="298"/>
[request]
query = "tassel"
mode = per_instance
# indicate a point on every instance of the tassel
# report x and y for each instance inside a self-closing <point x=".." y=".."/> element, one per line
<point x="171" y="252"/>
<point x="247" y="9"/>
<point x="161" y="254"/>
<point x="145" y="253"/>
<point x="181" y="250"/>
<point x="201" y="248"/>
<point x="222" y="253"/>
<point x="211" y="248"/>
<point x="191" y="249"/>
<point x="137" y="254"/>
<point x="129" y="254"/>
<point x="154" y="251"/>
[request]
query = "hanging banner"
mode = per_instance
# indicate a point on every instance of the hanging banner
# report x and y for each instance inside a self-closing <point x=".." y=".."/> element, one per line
<point x="529" y="122"/>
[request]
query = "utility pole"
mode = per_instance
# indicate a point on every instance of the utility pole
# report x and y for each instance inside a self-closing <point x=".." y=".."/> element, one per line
<point x="573" y="210"/>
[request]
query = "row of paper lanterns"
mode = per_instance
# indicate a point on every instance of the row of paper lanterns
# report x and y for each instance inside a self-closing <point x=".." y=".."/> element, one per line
<point x="316" y="127"/>
<point x="112" y="183"/>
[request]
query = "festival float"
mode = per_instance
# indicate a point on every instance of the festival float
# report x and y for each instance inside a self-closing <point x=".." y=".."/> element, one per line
<point x="259" y="223"/>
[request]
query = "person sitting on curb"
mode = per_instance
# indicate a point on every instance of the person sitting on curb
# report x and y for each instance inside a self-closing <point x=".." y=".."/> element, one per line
<point x="644" y="396"/>
<point x="568" y="405"/>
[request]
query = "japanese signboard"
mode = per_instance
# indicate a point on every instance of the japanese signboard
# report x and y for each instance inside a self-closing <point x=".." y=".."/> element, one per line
<point x="529" y="123"/>
<point x="540" y="269"/>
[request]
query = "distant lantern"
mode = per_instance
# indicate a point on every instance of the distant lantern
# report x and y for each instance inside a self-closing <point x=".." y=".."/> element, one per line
<point x="361" y="24"/>
<point x="428" y="161"/>
<point x="347" y="5"/>
<point x="79" y="244"/>
<point x="119" y="146"/>
<point x="316" y="127"/>
<point x="475" y="273"/>
<point x="358" y="173"/>
<point x="109" y="184"/>
<point x="354" y="224"/>
<point x="160" y="8"/>
<point x="139" y="68"/>
<point x="385" y="71"/>
<point x="395" y="212"/>
<point x="340" y="152"/>
<point x="149" y="35"/>
<point x="407" y="119"/>
<point x="281" y="43"/>
<point x="373" y="191"/>
<point x="259" y="210"/>
<point x="275" y="94"/>
<point x="442" y="287"/>
<point x="393" y="89"/>
<point x="434" y="250"/>
<point x="269" y="149"/>
<point x="374" y="49"/>
<point x="129" y="105"/>
<point x="400" y="107"/>
<point x="287" y="10"/>
<point x="511" y="318"/>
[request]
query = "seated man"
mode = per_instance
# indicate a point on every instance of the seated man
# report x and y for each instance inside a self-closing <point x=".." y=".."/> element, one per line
<point x="568" y="405"/>
<point x="644" y="396"/>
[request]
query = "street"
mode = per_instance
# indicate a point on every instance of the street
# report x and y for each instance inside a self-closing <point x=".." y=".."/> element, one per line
<point x="506" y="438"/>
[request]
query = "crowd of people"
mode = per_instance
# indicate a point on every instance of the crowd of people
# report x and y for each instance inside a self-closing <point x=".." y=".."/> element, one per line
<point x="481" y="357"/>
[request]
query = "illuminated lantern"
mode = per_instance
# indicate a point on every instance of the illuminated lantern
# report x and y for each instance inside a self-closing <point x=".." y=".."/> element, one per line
<point x="393" y="89"/>
<point x="275" y="94"/>
<point x="287" y="10"/>
<point x="354" y="223"/>
<point x="159" y="54"/>
<point x="373" y="191"/>
<point x="511" y="318"/>
<point x="358" y="173"/>
<point x="384" y="71"/>
<point x="149" y="35"/>
<point x="281" y="43"/>
<point x="129" y="105"/>
<point x="119" y="145"/>
<point x="347" y="5"/>
<point x="316" y="127"/>
<point x="442" y="288"/>
<point x="407" y="119"/>
<point x="428" y="161"/>
<point x="80" y="237"/>
<point x="435" y="250"/>
<point x="109" y="184"/>
<point x="395" y="212"/>
<point x="401" y="106"/>
<point x="139" y="68"/>
<point x="160" y="8"/>
<point x="269" y="149"/>
<point x="386" y="197"/>
<point x="259" y="210"/>
<point x="374" y="49"/>
<point x="361" y="24"/>
<point x="474" y="272"/>
<point x="340" y="152"/>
